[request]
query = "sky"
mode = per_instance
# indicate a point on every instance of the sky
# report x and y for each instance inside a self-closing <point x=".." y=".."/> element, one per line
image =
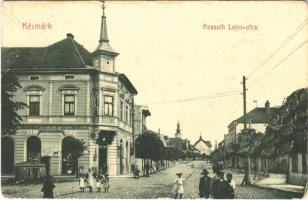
<point x="177" y="65"/>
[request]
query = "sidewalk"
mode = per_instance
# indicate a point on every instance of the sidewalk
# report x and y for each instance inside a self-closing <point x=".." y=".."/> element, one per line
<point x="274" y="181"/>
<point x="278" y="182"/>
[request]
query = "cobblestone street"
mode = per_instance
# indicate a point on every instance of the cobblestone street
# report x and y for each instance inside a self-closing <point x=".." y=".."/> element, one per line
<point x="155" y="186"/>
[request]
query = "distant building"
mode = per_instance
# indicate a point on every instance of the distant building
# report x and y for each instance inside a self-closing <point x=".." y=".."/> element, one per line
<point x="203" y="146"/>
<point x="257" y="119"/>
<point x="141" y="114"/>
<point x="177" y="140"/>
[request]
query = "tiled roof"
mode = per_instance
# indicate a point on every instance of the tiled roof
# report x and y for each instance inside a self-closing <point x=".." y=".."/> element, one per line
<point x="257" y="115"/>
<point x="66" y="53"/>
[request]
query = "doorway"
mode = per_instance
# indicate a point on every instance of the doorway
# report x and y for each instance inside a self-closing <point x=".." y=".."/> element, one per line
<point x="102" y="159"/>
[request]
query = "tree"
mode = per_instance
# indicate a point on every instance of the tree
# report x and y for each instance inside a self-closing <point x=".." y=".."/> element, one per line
<point x="217" y="155"/>
<point x="248" y="141"/>
<point x="10" y="118"/>
<point x="72" y="149"/>
<point x="287" y="131"/>
<point x="149" y="146"/>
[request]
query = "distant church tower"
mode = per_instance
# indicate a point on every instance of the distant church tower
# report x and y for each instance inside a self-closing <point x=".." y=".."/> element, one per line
<point x="178" y="133"/>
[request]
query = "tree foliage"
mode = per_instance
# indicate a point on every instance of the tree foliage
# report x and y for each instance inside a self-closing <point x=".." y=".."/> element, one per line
<point x="287" y="132"/>
<point x="249" y="142"/>
<point x="10" y="118"/>
<point x="217" y="155"/>
<point x="149" y="146"/>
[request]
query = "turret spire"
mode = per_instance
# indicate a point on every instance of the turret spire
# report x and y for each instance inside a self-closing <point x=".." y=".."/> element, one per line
<point x="103" y="36"/>
<point x="103" y="39"/>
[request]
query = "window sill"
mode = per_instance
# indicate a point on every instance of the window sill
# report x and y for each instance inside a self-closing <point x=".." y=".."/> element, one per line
<point x="34" y="119"/>
<point x="69" y="118"/>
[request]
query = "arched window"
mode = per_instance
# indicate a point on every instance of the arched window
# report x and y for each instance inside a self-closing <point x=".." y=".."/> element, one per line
<point x="69" y="158"/>
<point x="33" y="149"/>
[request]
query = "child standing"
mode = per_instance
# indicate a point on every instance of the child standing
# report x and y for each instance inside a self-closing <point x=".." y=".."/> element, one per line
<point x="82" y="184"/>
<point x="106" y="183"/>
<point x="179" y="186"/>
<point x="98" y="183"/>
<point x="231" y="187"/>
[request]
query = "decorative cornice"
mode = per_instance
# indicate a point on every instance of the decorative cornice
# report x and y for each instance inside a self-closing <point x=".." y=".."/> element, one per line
<point x="69" y="87"/>
<point x="34" y="88"/>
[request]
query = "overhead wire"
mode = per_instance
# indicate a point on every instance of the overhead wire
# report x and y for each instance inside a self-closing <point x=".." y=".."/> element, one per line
<point x="217" y="95"/>
<point x="279" y="63"/>
<point x="281" y="46"/>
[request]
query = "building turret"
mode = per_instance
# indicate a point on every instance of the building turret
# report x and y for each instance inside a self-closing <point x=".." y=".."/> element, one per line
<point x="103" y="58"/>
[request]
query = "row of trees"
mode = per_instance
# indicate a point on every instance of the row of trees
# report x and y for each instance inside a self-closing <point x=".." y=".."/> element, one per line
<point x="149" y="146"/>
<point x="286" y="134"/>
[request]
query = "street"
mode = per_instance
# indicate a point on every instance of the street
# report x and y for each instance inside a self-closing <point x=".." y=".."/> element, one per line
<point x="155" y="186"/>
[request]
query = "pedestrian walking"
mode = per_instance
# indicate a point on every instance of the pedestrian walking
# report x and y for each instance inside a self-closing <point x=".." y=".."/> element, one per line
<point x="179" y="186"/>
<point x="48" y="187"/>
<point x="106" y="184"/>
<point x="82" y="182"/>
<point x="220" y="187"/>
<point x="231" y="187"/>
<point x="205" y="185"/>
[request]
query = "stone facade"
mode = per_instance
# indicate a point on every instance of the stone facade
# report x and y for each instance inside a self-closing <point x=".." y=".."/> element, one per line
<point x="73" y="93"/>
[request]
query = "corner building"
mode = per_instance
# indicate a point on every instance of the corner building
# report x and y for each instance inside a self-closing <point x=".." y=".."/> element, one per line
<point x="71" y="93"/>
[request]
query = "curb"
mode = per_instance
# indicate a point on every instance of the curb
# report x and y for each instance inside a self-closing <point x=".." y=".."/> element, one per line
<point x="274" y="188"/>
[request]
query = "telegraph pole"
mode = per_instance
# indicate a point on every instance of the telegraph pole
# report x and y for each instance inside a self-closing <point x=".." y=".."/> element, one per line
<point x="246" y="180"/>
<point x="244" y="101"/>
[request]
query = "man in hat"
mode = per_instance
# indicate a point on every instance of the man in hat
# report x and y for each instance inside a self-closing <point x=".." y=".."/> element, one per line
<point x="220" y="187"/>
<point x="204" y="185"/>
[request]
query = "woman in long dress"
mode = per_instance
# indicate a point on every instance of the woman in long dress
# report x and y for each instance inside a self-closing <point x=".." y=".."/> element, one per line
<point x="91" y="180"/>
<point x="179" y="186"/>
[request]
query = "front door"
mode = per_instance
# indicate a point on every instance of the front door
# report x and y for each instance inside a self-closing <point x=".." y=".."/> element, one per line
<point x="102" y="160"/>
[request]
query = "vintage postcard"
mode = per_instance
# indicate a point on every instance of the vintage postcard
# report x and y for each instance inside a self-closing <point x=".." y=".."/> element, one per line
<point x="154" y="99"/>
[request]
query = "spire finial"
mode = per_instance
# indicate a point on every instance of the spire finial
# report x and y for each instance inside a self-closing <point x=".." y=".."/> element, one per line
<point x="103" y="36"/>
<point x="103" y="6"/>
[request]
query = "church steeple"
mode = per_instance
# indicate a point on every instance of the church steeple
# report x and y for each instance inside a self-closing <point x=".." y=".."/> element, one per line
<point x="178" y="131"/>
<point x="104" y="55"/>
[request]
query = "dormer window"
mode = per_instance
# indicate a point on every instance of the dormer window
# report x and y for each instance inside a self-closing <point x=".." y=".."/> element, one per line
<point x="69" y="77"/>
<point x="33" y="78"/>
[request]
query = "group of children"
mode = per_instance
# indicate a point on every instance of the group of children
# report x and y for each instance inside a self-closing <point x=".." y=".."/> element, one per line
<point x="92" y="180"/>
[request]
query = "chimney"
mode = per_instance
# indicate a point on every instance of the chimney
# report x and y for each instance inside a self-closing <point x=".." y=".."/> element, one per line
<point x="70" y="36"/>
<point x="267" y="106"/>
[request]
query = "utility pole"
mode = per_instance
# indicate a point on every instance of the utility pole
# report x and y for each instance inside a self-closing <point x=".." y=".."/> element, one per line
<point x="244" y="101"/>
<point x="246" y="180"/>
